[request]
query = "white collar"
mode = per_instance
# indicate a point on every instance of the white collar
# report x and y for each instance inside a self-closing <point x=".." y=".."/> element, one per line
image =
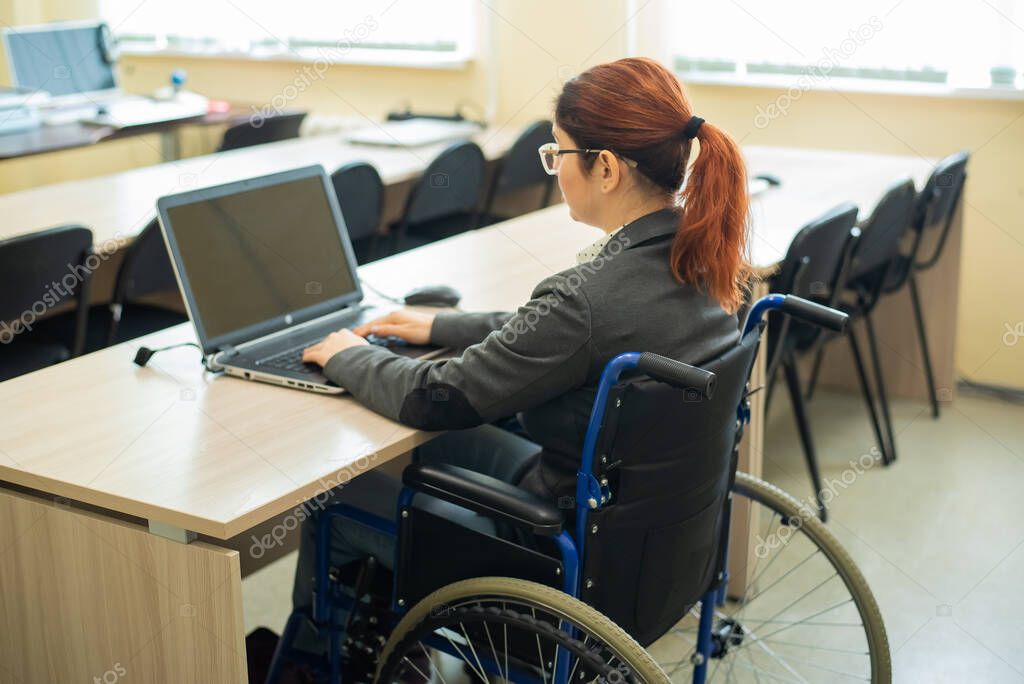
<point x="589" y="253"/>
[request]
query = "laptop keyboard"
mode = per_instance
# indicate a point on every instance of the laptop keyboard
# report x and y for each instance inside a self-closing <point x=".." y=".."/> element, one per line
<point x="291" y="359"/>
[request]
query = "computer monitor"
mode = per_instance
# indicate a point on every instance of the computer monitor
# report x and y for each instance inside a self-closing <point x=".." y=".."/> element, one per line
<point x="259" y="255"/>
<point x="72" y="61"/>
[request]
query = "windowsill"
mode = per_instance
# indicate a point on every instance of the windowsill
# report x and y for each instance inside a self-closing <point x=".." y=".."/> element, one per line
<point x="409" y="59"/>
<point x="852" y="85"/>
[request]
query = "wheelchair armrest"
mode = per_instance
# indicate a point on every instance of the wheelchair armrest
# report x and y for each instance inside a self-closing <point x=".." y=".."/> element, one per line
<point x="486" y="495"/>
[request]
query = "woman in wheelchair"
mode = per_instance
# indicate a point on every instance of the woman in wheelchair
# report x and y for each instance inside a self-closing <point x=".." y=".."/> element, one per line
<point x="667" y="277"/>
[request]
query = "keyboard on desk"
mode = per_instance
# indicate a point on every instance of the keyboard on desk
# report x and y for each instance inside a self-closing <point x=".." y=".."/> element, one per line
<point x="291" y="359"/>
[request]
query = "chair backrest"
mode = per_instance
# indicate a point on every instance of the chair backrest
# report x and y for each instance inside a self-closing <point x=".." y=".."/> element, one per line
<point x="669" y="455"/>
<point x="937" y="203"/>
<point x="41" y="270"/>
<point x="360" y="194"/>
<point x="815" y="256"/>
<point x="146" y="267"/>
<point x="521" y="167"/>
<point x="879" y="246"/>
<point x="450" y="185"/>
<point x="815" y="268"/>
<point x="259" y="131"/>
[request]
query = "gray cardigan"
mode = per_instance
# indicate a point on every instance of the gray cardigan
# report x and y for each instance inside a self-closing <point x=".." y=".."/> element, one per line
<point x="544" y="361"/>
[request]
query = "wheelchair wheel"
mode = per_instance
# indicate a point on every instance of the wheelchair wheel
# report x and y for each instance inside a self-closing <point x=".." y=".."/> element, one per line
<point x="807" y="615"/>
<point x="513" y="630"/>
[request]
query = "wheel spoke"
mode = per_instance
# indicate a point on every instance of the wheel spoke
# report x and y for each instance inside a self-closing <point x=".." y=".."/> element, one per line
<point x="433" y="666"/>
<point x="494" y="652"/>
<point x="469" y="642"/>
<point x="406" y="659"/>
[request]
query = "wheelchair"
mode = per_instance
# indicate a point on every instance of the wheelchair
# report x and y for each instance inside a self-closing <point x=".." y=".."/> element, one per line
<point x="626" y="582"/>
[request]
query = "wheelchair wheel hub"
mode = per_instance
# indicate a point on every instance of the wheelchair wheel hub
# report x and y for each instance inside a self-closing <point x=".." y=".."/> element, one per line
<point x="726" y="634"/>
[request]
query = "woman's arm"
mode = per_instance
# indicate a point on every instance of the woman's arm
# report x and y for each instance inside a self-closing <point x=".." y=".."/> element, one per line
<point x="540" y="352"/>
<point x="460" y="330"/>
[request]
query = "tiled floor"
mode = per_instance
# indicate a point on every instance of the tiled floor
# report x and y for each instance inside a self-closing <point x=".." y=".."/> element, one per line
<point x="938" y="534"/>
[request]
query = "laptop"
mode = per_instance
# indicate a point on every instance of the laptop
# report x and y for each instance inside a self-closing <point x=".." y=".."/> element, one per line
<point x="266" y="269"/>
<point x="73" y="62"/>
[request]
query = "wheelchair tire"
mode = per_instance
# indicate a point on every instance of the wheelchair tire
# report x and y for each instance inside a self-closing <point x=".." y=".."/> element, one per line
<point x="593" y="632"/>
<point x="735" y="633"/>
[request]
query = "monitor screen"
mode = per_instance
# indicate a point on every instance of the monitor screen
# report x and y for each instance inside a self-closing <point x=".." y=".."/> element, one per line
<point x="259" y="253"/>
<point x="63" y="60"/>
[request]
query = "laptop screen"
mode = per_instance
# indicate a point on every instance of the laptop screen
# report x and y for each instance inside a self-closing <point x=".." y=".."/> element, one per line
<point x="257" y="252"/>
<point x="62" y="59"/>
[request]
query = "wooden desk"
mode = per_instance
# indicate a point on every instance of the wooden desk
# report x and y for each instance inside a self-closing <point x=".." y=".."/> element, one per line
<point x="110" y="448"/>
<point x="78" y="134"/>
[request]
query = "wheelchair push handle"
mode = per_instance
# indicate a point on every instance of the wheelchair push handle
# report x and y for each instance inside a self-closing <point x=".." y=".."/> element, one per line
<point x="815" y="313"/>
<point x="677" y="374"/>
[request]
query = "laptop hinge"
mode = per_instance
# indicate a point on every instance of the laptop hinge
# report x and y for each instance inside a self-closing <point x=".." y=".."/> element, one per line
<point x="227" y="350"/>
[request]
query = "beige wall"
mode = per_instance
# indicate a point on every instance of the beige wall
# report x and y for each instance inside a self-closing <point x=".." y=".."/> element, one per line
<point x="537" y="44"/>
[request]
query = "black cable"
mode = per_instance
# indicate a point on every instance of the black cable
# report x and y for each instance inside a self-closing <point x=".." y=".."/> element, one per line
<point x="144" y="354"/>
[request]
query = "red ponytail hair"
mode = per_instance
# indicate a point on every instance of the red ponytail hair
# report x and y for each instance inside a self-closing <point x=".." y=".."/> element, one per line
<point x="638" y="109"/>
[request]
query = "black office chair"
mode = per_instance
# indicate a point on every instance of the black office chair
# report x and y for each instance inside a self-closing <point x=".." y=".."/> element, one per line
<point x="259" y="131"/>
<point x="877" y="253"/>
<point x="521" y="169"/>
<point x="37" y="273"/>
<point x="145" y="270"/>
<point x="933" y="214"/>
<point x="815" y="268"/>
<point x="360" y="194"/>
<point x="444" y="201"/>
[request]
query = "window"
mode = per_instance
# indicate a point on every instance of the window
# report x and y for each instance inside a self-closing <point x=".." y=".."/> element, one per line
<point x="436" y="32"/>
<point x="970" y="44"/>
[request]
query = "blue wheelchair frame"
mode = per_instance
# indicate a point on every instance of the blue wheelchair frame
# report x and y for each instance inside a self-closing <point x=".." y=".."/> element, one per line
<point x="590" y="494"/>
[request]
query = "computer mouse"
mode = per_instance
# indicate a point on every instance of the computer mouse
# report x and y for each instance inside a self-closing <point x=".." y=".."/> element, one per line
<point x="769" y="179"/>
<point x="101" y="110"/>
<point x="432" y="295"/>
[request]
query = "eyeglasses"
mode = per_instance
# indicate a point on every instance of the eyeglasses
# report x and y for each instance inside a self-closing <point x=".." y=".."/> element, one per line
<point x="551" y="157"/>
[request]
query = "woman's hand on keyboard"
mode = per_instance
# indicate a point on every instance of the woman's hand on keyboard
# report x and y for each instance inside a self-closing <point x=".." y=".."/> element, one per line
<point x="321" y="352"/>
<point x="412" y="326"/>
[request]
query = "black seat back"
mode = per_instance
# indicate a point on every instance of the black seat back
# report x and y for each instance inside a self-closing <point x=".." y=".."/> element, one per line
<point x="360" y="193"/>
<point x="878" y="249"/>
<point x="259" y="131"/>
<point x="450" y="185"/>
<point x="937" y="204"/>
<point x="521" y="166"/>
<point x="814" y="268"/>
<point x="42" y="270"/>
<point x="669" y="456"/>
<point x="146" y="267"/>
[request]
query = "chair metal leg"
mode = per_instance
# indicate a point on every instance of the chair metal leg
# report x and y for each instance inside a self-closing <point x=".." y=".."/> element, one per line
<point x="804" y="427"/>
<point x="915" y="301"/>
<point x="869" y="400"/>
<point x="815" y="369"/>
<point x="883" y="395"/>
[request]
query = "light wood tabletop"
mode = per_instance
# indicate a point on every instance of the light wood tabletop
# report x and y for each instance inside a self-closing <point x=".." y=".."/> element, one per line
<point x="217" y="455"/>
<point x="118" y="206"/>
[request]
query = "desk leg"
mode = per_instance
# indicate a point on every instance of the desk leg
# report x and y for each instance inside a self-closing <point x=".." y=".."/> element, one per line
<point x="170" y="145"/>
<point x="897" y="336"/>
<point x="86" y="597"/>
<point x="744" y="520"/>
